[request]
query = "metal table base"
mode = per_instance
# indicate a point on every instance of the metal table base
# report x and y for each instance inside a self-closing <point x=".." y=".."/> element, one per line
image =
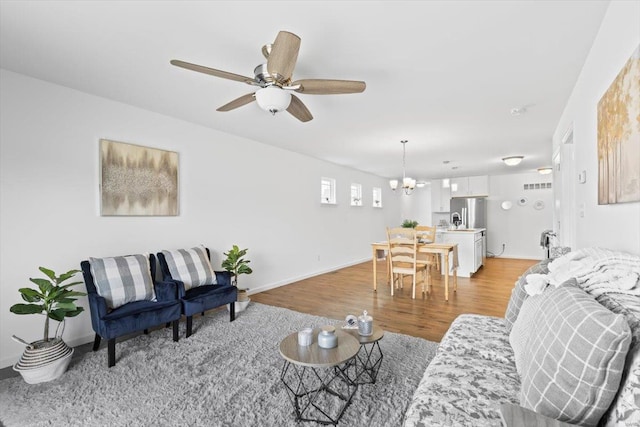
<point x="320" y="394"/>
<point x="370" y="358"/>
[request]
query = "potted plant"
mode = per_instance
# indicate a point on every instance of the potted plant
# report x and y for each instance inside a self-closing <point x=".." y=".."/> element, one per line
<point x="47" y="359"/>
<point x="237" y="265"/>
<point x="407" y="223"/>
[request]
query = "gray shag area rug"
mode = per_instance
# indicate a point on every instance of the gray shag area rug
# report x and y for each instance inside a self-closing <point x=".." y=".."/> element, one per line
<point x="225" y="374"/>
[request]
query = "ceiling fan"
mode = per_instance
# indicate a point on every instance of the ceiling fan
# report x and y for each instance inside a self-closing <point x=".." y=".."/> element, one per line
<point x="274" y="80"/>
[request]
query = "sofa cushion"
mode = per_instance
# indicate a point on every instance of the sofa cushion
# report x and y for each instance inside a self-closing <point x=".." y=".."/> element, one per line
<point x="190" y="266"/>
<point x="124" y="279"/>
<point x="576" y="357"/>
<point x="518" y="294"/>
<point x="462" y="391"/>
<point x="625" y="409"/>
<point x="479" y="336"/>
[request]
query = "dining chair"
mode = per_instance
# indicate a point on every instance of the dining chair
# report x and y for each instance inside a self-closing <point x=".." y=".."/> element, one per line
<point x="403" y="251"/>
<point x="427" y="234"/>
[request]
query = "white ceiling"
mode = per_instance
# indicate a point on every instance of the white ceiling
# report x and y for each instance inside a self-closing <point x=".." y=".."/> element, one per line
<point x="443" y="75"/>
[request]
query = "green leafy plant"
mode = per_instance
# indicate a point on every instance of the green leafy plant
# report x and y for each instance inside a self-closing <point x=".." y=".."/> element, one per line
<point x="236" y="264"/>
<point x="51" y="297"/>
<point x="408" y="223"/>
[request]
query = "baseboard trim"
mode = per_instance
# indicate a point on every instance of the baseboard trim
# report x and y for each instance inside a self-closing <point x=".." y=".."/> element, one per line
<point x="305" y="276"/>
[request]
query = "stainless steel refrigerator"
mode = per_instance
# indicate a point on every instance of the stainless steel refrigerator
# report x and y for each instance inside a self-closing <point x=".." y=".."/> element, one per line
<point x="472" y="211"/>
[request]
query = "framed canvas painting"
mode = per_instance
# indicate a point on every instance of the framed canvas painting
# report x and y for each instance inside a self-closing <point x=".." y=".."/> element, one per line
<point x="619" y="137"/>
<point x="137" y="181"/>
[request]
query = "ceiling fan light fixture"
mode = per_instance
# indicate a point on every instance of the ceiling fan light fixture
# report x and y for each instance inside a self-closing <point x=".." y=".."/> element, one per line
<point x="512" y="160"/>
<point x="273" y="99"/>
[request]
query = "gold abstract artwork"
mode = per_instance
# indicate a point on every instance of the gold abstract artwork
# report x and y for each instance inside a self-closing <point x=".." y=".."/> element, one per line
<point x="138" y="181"/>
<point x="619" y="137"/>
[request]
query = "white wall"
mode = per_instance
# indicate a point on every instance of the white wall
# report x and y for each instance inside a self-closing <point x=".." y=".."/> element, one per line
<point x="520" y="227"/>
<point x="614" y="226"/>
<point x="415" y="206"/>
<point x="232" y="191"/>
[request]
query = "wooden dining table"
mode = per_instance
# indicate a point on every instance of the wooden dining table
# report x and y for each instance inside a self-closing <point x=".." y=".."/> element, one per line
<point x="444" y="249"/>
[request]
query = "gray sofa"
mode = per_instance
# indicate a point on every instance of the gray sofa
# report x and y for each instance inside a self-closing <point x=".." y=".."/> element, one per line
<point x="474" y="371"/>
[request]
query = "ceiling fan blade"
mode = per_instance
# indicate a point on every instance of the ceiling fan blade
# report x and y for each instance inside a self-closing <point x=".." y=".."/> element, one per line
<point x="211" y="71"/>
<point x="283" y="56"/>
<point x="299" y="110"/>
<point x="239" y="102"/>
<point x="329" y="87"/>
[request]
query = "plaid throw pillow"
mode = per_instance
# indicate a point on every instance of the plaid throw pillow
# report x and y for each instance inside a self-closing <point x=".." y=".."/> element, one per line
<point x="518" y="294"/>
<point x="576" y="356"/>
<point x="123" y="279"/>
<point x="190" y="266"/>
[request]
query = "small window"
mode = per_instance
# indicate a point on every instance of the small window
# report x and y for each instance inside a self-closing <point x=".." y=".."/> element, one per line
<point x="328" y="191"/>
<point x="377" y="197"/>
<point x="356" y="195"/>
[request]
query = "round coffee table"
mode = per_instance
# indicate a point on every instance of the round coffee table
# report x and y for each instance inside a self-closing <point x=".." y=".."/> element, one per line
<point x="370" y="354"/>
<point x="321" y="382"/>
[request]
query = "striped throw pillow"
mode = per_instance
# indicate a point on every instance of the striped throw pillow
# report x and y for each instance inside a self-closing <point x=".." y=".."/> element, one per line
<point x="190" y="266"/>
<point x="518" y="294"/>
<point x="123" y="279"/>
<point x="576" y="355"/>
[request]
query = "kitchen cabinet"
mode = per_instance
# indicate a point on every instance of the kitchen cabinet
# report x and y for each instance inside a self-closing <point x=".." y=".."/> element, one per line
<point x="470" y="256"/>
<point x="470" y="186"/>
<point x="439" y="196"/>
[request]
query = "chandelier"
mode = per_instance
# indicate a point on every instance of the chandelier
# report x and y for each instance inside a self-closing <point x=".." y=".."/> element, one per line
<point x="408" y="184"/>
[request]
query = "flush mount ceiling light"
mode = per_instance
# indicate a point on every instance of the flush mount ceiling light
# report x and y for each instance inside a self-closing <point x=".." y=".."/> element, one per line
<point x="512" y="160"/>
<point x="545" y="171"/>
<point x="408" y="184"/>
<point x="273" y="99"/>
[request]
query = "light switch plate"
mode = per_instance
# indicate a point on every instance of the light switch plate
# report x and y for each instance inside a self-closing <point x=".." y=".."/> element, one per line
<point x="582" y="177"/>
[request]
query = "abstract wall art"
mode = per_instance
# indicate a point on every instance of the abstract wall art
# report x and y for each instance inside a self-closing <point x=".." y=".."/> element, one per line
<point x="137" y="181"/>
<point x="619" y="137"/>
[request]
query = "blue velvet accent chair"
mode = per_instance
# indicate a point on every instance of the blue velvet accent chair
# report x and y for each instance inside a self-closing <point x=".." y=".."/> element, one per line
<point x="133" y="316"/>
<point x="205" y="297"/>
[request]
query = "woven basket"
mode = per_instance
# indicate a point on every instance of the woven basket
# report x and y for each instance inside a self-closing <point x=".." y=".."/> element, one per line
<point x="44" y="361"/>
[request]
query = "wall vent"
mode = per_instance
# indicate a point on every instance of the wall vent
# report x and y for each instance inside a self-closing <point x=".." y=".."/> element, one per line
<point x="538" y="186"/>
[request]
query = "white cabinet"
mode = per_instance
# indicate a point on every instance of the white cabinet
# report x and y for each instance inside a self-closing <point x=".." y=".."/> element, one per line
<point x="440" y="197"/>
<point x="478" y="185"/>
<point x="478" y="254"/>
<point x="459" y="187"/>
<point x="470" y="186"/>
<point x="469" y="250"/>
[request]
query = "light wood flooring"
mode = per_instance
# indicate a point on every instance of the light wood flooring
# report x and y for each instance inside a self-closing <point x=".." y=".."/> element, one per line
<point x="350" y="290"/>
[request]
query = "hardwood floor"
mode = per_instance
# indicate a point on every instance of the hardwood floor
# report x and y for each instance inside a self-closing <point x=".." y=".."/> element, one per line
<point x="350" y="290"/>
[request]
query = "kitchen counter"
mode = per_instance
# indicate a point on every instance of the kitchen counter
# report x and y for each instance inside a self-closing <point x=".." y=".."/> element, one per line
<point x="466" y="230"/>
<point x="470" y="247"/>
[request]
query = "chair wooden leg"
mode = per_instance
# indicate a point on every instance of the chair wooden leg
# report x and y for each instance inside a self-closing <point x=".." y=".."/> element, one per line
<point x="232" y="312"/>
<point x="175" y="330"/>
<point x="413" y="291"/>
<point x="96" y="342"/>
<point x="189" y="325"/>
<point x="112" y="352"/>
<point x="390" y="280"/>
